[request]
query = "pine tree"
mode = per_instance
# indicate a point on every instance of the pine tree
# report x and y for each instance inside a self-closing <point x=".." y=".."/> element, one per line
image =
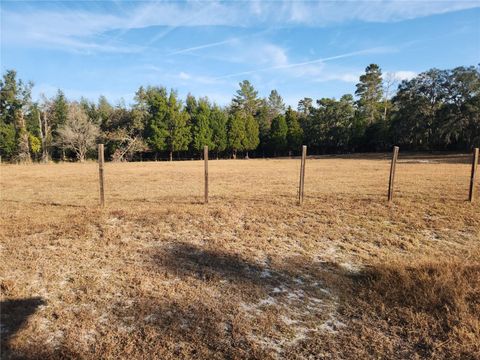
<point x="246" y="99"/>
<point x="295" y="132"/>
<point x="201" y="130"/>
<point x="236" y="133"/>
<point x="370" y="92"/>
<point x="168" y="126"/>
<point x="14" y="95"/>
<point x="278" y="134"/>
<point x="275" y="103"/>
<point x="178" y="127"/>
<point x="264" y="121"/>
<point x="104" y="111"/>
<point x="251" y="139"/>
<point x="58" y="117"/>
<point x="218" y="124"/>
<point x="60" y="106"/>
<point x="191" y="105"/>
<point x="154" y="102"/>
<point x="14" y="101"/>
<point x="267" y="110"/>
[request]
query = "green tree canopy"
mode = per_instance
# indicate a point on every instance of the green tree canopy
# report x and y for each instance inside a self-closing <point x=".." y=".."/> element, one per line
<point x="236" y="132"/>
<point x="178" y="126"/>
<point x="155" y="104"/>
<point x="437" y="109"/>
<point x="328" y="126"/>
<point x="251" y="139"/>
<point x="369" y="92"/>
<point x="218" y="123"/>
<point x="14" y="95"/>
<point x="201" y="129"/>
<point x="278" y="134"/>
<point x="417" y="103"/>
<point x="275" y="103"/>
<point x="295" y="132"/>
<point x="246" y="99"/>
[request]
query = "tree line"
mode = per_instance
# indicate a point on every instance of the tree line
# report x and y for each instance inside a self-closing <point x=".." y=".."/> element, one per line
<point x="435" y="110"/>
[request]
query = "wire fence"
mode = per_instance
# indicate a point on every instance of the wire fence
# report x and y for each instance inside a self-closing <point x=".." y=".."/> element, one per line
<point x="283" y="180"/>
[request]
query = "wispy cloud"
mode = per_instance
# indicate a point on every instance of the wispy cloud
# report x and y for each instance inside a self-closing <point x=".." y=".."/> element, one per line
<point x="331" y="12"/>
<point x="199" y="79"/>
<point x="186" y="20"/>
<point x="347" y="77"/>
<point x="402" y="75"/>
<point x="85" y="46"/>
<point x="235" y="40"/>
<point x="204" y="46"/>
<point x="75" y="94"/>
<point x="375" y="50"/>
<point x="82" y="24"/>
<point x="182" y="76"/>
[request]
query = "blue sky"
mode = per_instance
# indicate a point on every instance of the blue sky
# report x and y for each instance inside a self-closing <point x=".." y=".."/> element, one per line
<point x="314" y="49"/>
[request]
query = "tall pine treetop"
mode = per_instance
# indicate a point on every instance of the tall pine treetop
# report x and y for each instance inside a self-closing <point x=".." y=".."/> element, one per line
<point x="246" y="99"/>
<point x="369" y="92"/>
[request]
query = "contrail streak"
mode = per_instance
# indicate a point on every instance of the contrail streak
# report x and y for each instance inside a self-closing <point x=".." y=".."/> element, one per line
<point x="286" y="66"/>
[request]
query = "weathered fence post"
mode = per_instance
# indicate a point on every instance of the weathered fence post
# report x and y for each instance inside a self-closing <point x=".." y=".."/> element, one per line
<point x="205" y="157"/>
<point x="392" y="173"/>
<point x="101" y="161"/>
<point x="301" y="186"/>
<point x="473" y="176"/>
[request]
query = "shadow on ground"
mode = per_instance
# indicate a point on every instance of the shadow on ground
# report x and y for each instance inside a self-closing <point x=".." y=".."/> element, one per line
<point x="14" y="314"/>
<point x="217" y="304"/>
<point x="297" y="308"/>
<point x="233" y="307"/>
<point x="233" y="270"/>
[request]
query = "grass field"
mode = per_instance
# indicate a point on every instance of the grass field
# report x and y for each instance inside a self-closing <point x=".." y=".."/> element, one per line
<point x="251" y="275"/>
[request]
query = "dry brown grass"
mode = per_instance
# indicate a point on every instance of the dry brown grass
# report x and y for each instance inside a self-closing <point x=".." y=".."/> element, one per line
<point x="158" y="274"/>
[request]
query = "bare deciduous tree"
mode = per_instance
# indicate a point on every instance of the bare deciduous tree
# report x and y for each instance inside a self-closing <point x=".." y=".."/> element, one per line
<point x="128" y="144"/>
<point x="44" y="126"/>
<point x="390" y="82"/>
<point x="79" y="133"/>
<point x="23" y="151"/>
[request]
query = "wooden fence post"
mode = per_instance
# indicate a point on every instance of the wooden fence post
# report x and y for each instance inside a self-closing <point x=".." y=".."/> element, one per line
<point x="205" y="157"/>
<point x="101" y="161"/>
<point x="473" y="176"/>
<point x="301" y="186"/>
<point x="392" y="173"/>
